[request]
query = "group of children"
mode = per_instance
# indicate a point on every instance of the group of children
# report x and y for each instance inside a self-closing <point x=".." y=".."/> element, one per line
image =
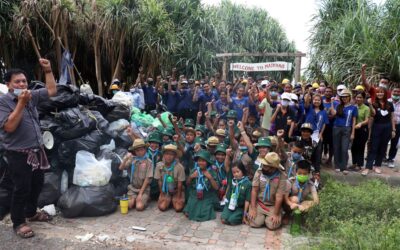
<point x="250" y="178"/>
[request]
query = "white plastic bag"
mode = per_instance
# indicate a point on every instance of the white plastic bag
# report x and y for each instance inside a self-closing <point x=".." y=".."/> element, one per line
<point x="109" y="147"/>
<point x="123" y="98"/>
<point x="91" y="172"/>
<point x="116" y="127"/>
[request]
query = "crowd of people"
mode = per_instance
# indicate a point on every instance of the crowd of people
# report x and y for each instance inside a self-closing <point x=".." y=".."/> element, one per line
<point x="251" y="148"/>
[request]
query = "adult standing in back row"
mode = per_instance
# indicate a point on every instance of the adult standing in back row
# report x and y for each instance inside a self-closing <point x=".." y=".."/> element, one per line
<point x="23" y="142"/>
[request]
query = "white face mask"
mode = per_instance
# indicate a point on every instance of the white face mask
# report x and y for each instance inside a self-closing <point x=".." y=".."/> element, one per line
<point x="18" y="92"/>
<point x="381" y="85"/>
<point x="285" y="103"/>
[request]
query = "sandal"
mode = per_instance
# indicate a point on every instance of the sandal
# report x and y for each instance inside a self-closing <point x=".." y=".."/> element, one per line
<point x="24" y="231"/>
<point x="41" y="216"/>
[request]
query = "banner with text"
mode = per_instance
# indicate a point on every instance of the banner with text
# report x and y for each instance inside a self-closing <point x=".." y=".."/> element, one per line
<point x="267" y="66"/>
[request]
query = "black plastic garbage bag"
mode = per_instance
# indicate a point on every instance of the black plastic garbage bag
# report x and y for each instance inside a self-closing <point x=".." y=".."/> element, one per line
<point x="90" y="142"/>
<point x="120" y="186"/>
<point x="116" y="159"/>
<point x="6" y="187"/>
<point x="87" y="201"/>
<point x="123" y="140"/>
<point x="67" y="97"/>
<point x="74" y="123"/>
<point x="120" y="111"/>
<point x="96" y="103"/>
<point x="51" y="189"/>
<point x="101" y="123"/>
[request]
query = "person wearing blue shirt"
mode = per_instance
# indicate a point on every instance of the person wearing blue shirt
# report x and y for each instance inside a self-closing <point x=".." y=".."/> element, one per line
<point x="150" y="95"/>
<point x="327" y="143"/>
<point x="187" y="108"/>
<point x="318" y="118"/>
<point x="171" y="98"/>
<point x="239" y="102"/>
<point x="222" y="105"/>
<point x="203" y="97"/>
<point x="343" y="130"/>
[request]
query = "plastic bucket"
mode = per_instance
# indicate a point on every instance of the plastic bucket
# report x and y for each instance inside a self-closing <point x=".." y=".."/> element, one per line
<point x="123" y="203"/>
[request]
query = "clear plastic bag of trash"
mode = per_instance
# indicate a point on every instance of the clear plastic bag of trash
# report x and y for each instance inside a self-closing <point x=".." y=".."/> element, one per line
<point x="91" y="172"/>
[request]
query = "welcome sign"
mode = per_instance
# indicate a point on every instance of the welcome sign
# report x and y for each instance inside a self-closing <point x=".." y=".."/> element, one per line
<point x="267" y="66"/>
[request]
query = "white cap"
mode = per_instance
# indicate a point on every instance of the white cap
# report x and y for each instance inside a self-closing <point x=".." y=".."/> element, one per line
<point x="341" y="87"/>
<point x="294" y="97"/>
<point x="264" y="83"/>
<point x="286" y="96"/>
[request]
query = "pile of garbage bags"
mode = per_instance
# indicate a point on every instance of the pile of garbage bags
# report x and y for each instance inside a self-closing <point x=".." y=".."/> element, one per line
<point x="90" y="141"/>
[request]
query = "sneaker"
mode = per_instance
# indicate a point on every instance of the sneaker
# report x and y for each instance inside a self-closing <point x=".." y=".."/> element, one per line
<point x="345" y="172"/>
<point x="378" y="170"/>
<point x="391" y="165"/>
<point x="365" y="172"/>
<point x="337" y="170"/>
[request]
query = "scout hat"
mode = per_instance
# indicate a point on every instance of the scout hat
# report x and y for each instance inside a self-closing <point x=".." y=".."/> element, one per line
<point x="170" y="147"/>
<point x="201" y="128"/>
<point x="272" y="159"/>
<point x="220" y="132"/>
<point x="221" y="148"/>
<point x="263" y="142"/>
<point x="232" y="114"/>
<point x="315" y="85"/>
<point x="213" y="113"/>
<point x="189" y="123"/>
<point x="345" y="92"/>
<point x="285" y="81"/>
<point x="137" y="143"/>
<point x="205" y="155"/>
<point x="154" y="137"/>
<point x="212" y="141"/>
<point x="359" y="88"/>
<point x="200" y="140"/>
<point x="166" y="131"/>
<point x="306" y="126"/>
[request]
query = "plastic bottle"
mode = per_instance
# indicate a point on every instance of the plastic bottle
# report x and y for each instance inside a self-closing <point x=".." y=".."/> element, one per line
<point x="295" y="228"/>
<point x="64" y="181"/>
<point x="199" y="191"/>
<point x="171" y="184"/>
<point x="233" y="202"/>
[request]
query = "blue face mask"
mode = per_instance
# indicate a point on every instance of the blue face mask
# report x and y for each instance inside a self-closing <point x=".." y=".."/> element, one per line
<point x="296" y="156"/>
<point x="273" y="94"/>
<point x="18" y="92"/>
<point x="114" y="92"/>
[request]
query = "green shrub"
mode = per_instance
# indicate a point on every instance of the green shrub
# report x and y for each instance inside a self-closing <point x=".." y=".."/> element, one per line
<point x="356" y="217"/>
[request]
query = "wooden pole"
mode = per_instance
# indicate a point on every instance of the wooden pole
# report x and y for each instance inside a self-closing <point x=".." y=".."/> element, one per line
<point x="35" y="47"/>
<point x="297" y="69"/>
<point x="224" y="68"/>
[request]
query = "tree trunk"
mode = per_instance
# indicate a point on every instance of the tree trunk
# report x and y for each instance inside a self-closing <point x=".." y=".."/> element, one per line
<point x="97" y="61"/>
<point x="118" y="66"/>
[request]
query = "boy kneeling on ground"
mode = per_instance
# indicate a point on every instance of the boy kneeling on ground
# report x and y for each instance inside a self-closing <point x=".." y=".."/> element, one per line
<point x="140" y="172"/>
<point x="302" y="194"/>
<point x="170" y="175"/>
<point x="269" y="189"/>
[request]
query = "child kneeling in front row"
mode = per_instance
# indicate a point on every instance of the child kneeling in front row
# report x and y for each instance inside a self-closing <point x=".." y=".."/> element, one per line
<point x="170" y="175"/>
<point x="140" y="172"/>
<point x="238" y="195"/>
<point x="203" y="188"/>
<point x="302" y="193"/>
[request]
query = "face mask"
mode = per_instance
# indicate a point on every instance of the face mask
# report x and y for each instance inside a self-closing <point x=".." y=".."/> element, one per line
<point x="18" y="92"/>
<point x="321" y="89"/>
<point x="395" y="97"/>
<point x="302" y="178"/>
<point x="381" y="85"/>
<point x="243" y="148"/>
<point x="285" y="103"/>
<point x="273" y="93"/>
<point x="291" y="103"/>
<point x="114" y="92"/>
<point x="296" y="156"/>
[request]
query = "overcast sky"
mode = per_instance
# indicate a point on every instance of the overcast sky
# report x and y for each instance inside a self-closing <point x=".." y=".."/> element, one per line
<point x="293" y="15"/>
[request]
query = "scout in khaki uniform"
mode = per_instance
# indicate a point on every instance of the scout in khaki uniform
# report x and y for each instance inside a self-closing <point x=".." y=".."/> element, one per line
<point x="154" y="154"/>
<point x="269" y="189"/>
<point x="170" y="175"/>
<point x="203" y="188"/>
<point x="263" y="146"/>
<point x="238" y="195"/>
<point x="140" y="171"/>
<point x="302" y="193"/>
